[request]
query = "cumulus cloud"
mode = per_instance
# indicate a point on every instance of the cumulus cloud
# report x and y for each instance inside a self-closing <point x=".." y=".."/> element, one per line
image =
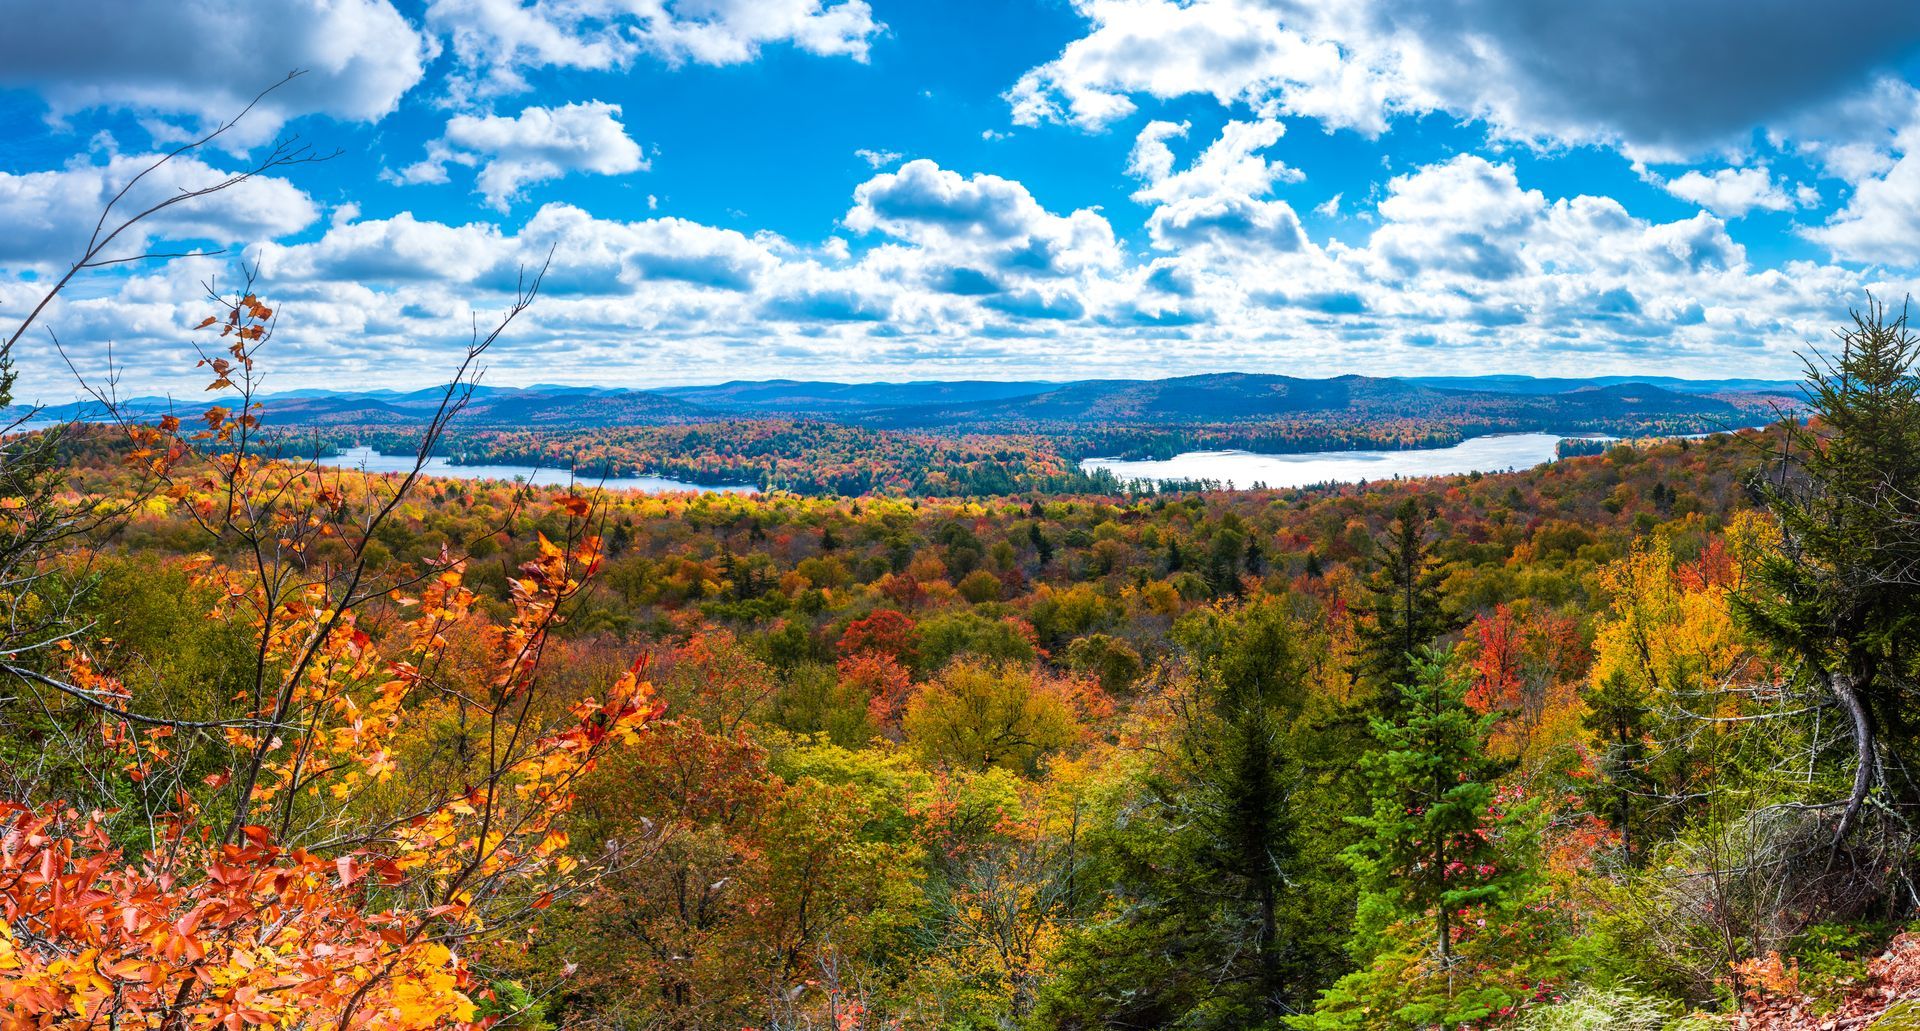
<point x="953" y="273"/>
<point x="1235" y="50"/>
<point x="591" y="255"/>
<point x="1218" y="200"/>
<point x="1881" y="221"/>
<point x="1731" y="192"/>
<point x="401" y="249"/>
<point x="980" y="220"/>
<point x="49" y="214"/>
<point x="620" y="257"/>
<point x="1652" y="77"/>
<point x="1460" y="218"/>
<point x="1858" y="136"/>
<point x="497" y="40"/>
<point x="360" y="58"/>
<point x="1231" y="164"/>
<point x="537" y="145"/>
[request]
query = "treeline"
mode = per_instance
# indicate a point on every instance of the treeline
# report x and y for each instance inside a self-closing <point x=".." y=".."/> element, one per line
<point x="801" y="457"/>
<point x="823" y="458"/>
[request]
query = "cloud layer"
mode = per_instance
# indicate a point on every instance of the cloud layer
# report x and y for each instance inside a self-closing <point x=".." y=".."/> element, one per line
<point x="1509" y="186"/>
<point x="1656" y="78"/>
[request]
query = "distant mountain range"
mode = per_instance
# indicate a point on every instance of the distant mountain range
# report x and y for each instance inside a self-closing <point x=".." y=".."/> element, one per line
<point x="1223" y="398"/>
<point x="1561" y="385"/>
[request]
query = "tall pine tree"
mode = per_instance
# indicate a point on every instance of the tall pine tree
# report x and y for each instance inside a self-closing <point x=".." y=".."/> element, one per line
<point x="1436" y="844"/>
<point x="1230" y="895"/>
<point x="1618" y="713"/>
<point x="1402" y="611"/>
<point x="1842" y="592"/>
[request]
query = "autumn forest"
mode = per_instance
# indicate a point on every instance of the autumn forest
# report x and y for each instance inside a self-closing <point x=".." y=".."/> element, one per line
<point x="939" y="731"/>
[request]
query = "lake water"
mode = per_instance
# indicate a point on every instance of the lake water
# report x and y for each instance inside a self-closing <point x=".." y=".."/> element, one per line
<point x="1497" y="453"/>
<point x="369" y="460"/>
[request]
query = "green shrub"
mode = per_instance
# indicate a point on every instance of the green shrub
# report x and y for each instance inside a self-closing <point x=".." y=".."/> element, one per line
<point x="1618" y="1008"/>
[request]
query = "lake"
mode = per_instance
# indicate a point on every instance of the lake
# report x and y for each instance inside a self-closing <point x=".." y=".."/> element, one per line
<point x="1489" y="454"/>
<point x="369" y="460"/>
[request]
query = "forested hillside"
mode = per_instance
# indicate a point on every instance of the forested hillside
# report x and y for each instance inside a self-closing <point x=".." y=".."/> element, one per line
<point x="957" y="439"/>
<point x="1617" y="741"/>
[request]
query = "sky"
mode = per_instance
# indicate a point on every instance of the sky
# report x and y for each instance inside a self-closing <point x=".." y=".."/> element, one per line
<point x="1002" y="189"/>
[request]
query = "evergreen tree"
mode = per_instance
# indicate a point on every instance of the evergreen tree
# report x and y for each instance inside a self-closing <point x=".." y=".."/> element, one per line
<point x="1235" y="903"/>
<point x="1618" y="715"/>
<point x="1842" y="592"/>
<point x="1042" y="547"/>
<point x="1663" y="498"/>
<point x="1436" y="842"/>
<point x="1402" y="610"/>
<point x="1255" y="685"/>
<point x="1224" y="556"/>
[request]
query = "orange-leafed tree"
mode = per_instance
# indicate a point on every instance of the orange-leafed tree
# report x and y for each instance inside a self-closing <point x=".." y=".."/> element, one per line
<point x="263" y="861"/>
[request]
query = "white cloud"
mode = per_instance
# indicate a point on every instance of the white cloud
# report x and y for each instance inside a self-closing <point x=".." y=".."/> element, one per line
<point x="1151" y="159"/>
<point x="49" y="214"/>
<point x="1859" y="135"/>
<point x="1630" y="73"/>
<point x="1219" y="198"/>
<point x="1232" y="49"/>
<point x="402" y="249"/>
<point x="537" y="145"/>
<point x="1230" y="165"/>
<point x="360" y="58"/>
<point x="954" y="274"/>
<point x="1874" y="144"/>
<point x="495" y="40"/>
<point x="616" y="257"/>
<point x="1459" y="218"/>
<point x="1881" y="221"/>
<point x="877" y="158"/>
<point x="981" y="219"/>
<point x="1730" y="192"/>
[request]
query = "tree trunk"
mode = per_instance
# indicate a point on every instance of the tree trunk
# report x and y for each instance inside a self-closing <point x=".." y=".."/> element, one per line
<point x="1270" y="989"/>
<point x="1865" y="751"/>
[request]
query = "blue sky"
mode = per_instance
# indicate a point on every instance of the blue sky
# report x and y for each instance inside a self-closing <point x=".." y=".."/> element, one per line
<point x="999" y="188"/>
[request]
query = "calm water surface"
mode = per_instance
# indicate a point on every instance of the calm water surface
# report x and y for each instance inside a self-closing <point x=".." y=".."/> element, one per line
<point x="369" y="460"/>
<point x="1497" y="453"/>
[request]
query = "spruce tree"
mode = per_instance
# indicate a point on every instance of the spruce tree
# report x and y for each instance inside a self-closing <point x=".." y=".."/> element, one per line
<point x="1255" y="685"/>
<point x="1618" y="714"/>
<point x="1841" y="594"/>
<point x="1042" y="547"/>
<point x="1224" y="556"/>
<point x="1436" y="843"/>
<point x="1234" y="909"/>
<point x="1402" y="610"/>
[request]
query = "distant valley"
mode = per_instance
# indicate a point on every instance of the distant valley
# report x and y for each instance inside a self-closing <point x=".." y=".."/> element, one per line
<point x="974" y="438"/>
<point x="1525" y="403"/>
